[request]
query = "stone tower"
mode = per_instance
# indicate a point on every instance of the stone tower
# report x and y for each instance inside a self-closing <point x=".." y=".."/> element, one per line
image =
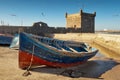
<point x="81" y="20"/>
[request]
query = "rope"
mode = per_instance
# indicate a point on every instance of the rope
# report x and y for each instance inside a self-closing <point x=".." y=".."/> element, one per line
<point x="31" y="59"/>
<point x="27" y="72"/>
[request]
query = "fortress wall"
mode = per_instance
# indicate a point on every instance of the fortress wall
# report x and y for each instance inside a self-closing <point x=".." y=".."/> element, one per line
<point x="73" y="21"/>
<point x="38" y="30"/>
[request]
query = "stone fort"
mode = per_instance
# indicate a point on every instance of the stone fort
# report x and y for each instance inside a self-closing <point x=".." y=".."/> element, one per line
<point x="85" y="21"/>
<point x="75" y="23"/>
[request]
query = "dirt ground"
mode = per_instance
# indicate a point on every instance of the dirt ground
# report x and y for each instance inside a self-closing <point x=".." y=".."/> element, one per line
<point x="98" y="68"/>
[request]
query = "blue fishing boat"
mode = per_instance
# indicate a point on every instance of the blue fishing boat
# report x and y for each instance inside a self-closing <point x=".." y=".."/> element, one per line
<point x="36" y="51"/>
<point x="5" y="39"/>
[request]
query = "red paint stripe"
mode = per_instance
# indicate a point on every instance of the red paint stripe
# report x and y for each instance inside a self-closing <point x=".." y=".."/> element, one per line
<point x="25" y="59"/>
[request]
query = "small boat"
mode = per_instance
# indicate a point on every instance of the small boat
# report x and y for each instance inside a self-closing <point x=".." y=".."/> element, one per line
<point x="5" y="39"/>
<point x="15" y="42"/>
<point x="36" y="51"/>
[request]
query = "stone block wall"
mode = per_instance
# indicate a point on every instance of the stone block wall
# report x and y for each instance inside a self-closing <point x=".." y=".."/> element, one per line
<point x="73" y="21"/>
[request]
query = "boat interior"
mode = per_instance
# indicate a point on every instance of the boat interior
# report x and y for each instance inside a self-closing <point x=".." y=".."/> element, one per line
<point x="62" y="45"/>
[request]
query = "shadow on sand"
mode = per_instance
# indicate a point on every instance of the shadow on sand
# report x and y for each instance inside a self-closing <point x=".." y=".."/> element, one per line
<point x="5" y="45"/>
<point x="90" y="69"/>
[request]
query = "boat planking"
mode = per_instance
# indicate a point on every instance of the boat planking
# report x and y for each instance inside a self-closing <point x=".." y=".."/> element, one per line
<point x="35" y="51"/>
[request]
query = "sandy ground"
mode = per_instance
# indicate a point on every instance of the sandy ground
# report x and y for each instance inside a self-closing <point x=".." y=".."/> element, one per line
<point x="98" y="68"/>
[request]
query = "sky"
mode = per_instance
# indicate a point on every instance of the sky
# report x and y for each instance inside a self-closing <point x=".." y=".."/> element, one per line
<point x="52" y="12"/>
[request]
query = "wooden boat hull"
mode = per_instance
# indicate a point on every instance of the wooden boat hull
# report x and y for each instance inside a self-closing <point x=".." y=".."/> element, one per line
<point x="43" y="55"/>
<point x="37" y="61"/>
